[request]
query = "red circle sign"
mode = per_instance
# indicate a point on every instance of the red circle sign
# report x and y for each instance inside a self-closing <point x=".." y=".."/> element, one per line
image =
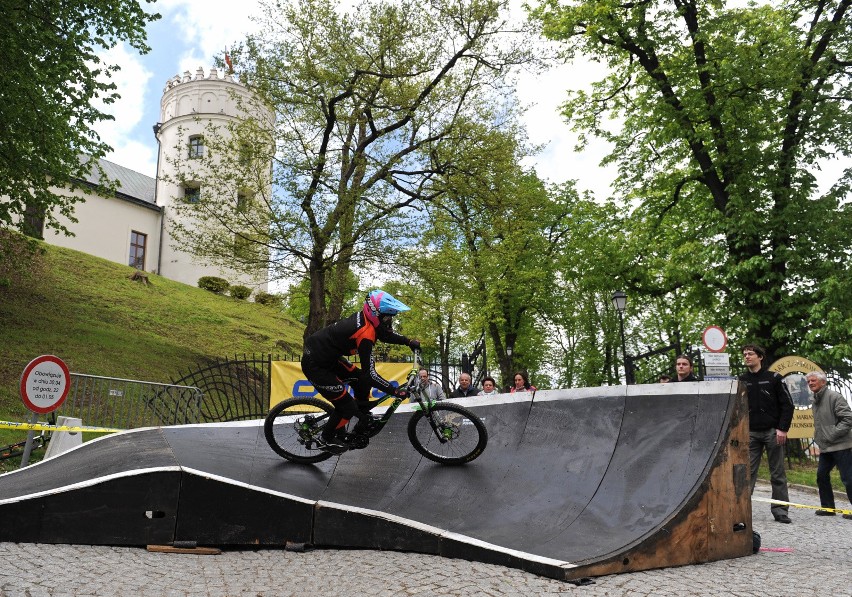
<point x="714" y="338"/>
<point x="45" y="384"/>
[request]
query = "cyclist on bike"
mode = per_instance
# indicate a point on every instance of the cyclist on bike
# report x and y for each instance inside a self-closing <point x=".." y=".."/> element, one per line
<point x="325" y="366"/>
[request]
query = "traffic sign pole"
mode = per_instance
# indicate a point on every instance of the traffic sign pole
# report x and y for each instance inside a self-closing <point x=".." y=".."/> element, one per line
<point x="28" y="447"/>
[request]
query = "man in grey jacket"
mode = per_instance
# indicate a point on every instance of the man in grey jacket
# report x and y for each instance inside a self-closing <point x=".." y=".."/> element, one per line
<point x="833" y="435"/>
<point x="430" y="389"/>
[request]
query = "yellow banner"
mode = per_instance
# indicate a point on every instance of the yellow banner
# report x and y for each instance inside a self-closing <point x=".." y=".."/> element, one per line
<point x="288" y="381"/>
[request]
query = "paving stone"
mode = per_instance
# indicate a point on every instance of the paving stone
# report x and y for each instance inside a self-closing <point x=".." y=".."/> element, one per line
<point x="818" y="545"/>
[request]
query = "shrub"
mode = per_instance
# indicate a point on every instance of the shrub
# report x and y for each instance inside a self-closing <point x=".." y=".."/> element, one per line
<point x="213" y="284"/>
<point x="240" y="292"/>
<point x="268" y="299"/>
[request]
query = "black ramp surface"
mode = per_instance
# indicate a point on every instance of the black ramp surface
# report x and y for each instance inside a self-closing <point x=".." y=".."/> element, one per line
<point x="118" y="490"/>
<point x="571" y="480"/>
<point x="643" y="482"/>
<point x="566" y="442"/>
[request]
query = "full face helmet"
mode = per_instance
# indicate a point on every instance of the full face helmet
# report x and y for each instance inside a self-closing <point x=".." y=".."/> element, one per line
<point x="379" y="303"/>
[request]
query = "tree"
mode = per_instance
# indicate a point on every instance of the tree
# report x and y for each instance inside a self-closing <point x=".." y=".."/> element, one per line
<point x="507" y="229"/>
<point x="52" y="79"/>
<point x="362" y="100"/>
<point x="725" y="114"/>
<point x="582" y="327"/>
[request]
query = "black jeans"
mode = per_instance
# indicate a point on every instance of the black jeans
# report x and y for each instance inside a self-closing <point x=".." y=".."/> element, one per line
<point x="842" y="459"/>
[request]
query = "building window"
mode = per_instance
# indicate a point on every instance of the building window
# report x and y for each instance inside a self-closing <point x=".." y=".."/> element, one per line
<point x="242" y="247"/>
<point x="137" y="249"/>
<point x="244" y="154"/>
<point x="191" y="194"/>
<point x="242" y="202"/>
<point x="196" y="146"/>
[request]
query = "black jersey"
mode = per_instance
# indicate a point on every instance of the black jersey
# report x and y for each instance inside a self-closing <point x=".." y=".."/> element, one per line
<point x="349" y="336"/>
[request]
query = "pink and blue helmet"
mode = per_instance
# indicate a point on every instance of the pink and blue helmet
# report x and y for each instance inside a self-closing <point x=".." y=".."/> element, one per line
<point x="379" y="302"/>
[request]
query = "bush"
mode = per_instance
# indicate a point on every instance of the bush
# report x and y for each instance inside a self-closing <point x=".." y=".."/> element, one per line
<point x="268" y="299"/>
<point x="213" y="284"/>
<point x="240" y="292"/>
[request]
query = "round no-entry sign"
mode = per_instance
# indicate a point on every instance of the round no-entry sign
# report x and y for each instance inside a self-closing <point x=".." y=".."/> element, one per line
<point x="45" y="384"/>
<point x="714" y="338"/>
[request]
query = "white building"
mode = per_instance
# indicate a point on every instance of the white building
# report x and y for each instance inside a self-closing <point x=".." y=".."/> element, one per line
<point x="135" y="227"/>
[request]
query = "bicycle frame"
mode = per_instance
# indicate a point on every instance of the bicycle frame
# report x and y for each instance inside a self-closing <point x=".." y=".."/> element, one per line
<point x="415" y="397"/>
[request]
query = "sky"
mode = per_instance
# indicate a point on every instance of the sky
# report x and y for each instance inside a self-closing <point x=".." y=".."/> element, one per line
<point x="191" y="32"/>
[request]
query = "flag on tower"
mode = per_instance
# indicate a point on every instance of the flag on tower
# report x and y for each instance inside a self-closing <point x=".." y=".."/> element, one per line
<point x="228" y="62"/>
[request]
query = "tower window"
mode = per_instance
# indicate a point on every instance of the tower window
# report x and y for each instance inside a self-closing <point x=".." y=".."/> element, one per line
<point x="196" y="146"/>
<point x="191" y="194"/>
<point x="137" y="249"/>
<point x="242" y="202"/>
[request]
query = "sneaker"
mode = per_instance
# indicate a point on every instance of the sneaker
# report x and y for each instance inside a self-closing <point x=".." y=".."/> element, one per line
<point x="783" y="518"/>
<point x="333" y="445"/>
<point x="824" y="513"/>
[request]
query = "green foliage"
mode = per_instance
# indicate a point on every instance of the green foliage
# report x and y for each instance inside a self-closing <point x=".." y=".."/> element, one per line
<point x="268" y="299"/>
<point x="86" y="311"/>
<point x="238" y="291"/>
<point x="53" y="80"/>
<point x="725" y="114"/>
<point x="213" y="284"/>
<point x="363" y="97"/>
<point x="490" y="248"/>
<point x="19" y="259"/>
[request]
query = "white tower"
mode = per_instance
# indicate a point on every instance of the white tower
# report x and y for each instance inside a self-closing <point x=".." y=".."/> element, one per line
<point x="189" y="107"/>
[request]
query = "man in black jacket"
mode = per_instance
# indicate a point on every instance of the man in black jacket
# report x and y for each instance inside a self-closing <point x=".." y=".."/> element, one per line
<point x="770" y="411"/>
<point x="465" y="387"/>
<point x="683" y="365"/>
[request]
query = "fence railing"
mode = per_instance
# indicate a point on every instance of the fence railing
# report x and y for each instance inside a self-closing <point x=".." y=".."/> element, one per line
<point x="130" y="403"/>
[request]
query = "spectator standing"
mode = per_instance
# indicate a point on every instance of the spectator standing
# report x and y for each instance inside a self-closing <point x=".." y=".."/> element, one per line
<point x="464" y="388"/>
<point x="430" y="389"/>
<point x="683" y="366"/>
<point x="489" y="387"/>
<point x="770" y="410"/>
<point x="522" y="383"/>
<point x="833" y="435"/>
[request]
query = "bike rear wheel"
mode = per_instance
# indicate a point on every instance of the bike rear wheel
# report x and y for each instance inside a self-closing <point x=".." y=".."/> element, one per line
<point x="464" y="434"/>
<point x="293" y="426"/>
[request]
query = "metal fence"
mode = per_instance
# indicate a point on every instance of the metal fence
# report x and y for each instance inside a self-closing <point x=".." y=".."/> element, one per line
<point x="130" y="403"/>
<point x="233" y="389"/>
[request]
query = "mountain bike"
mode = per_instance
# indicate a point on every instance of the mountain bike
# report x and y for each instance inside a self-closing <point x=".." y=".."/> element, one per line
<point x="441" y="431"/>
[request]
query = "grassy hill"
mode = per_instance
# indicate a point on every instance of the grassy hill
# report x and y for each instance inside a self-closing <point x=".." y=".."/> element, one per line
<point x="88" y="312"/>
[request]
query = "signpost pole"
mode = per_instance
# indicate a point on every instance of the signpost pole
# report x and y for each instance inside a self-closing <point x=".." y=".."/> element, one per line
<point x="28" y="447"/>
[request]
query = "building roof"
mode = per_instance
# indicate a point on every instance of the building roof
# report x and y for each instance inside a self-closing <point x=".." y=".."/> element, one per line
<point x="131" y="185"/>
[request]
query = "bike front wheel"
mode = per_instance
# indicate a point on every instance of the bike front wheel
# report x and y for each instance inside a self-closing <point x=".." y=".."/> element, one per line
<point x="448" y="434"/>
<point x="293" y="426"/>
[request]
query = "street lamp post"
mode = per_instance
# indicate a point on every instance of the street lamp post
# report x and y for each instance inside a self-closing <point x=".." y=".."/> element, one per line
<point x="509" y="349"/>
<point x="619" y="301"/>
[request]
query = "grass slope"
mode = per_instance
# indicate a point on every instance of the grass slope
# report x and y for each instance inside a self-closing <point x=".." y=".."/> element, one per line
<point x="89" y="313"/>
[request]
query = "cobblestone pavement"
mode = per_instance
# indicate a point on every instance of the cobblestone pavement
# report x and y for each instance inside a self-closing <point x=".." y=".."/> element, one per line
<point x="819" y="564"/>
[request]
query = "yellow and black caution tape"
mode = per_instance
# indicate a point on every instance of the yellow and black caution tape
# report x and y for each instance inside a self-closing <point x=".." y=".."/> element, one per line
<point x="771" y="501"/>
<point x="47" y="427"/>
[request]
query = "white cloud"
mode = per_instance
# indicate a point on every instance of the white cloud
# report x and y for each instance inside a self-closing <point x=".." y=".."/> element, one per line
<point x="559" y="161"/>
<point x="127" y="111"/>
<point x="209" y="26"/>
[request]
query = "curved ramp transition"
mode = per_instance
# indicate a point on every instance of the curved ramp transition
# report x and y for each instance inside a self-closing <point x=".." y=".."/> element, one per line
<point x="573" y="483"/>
